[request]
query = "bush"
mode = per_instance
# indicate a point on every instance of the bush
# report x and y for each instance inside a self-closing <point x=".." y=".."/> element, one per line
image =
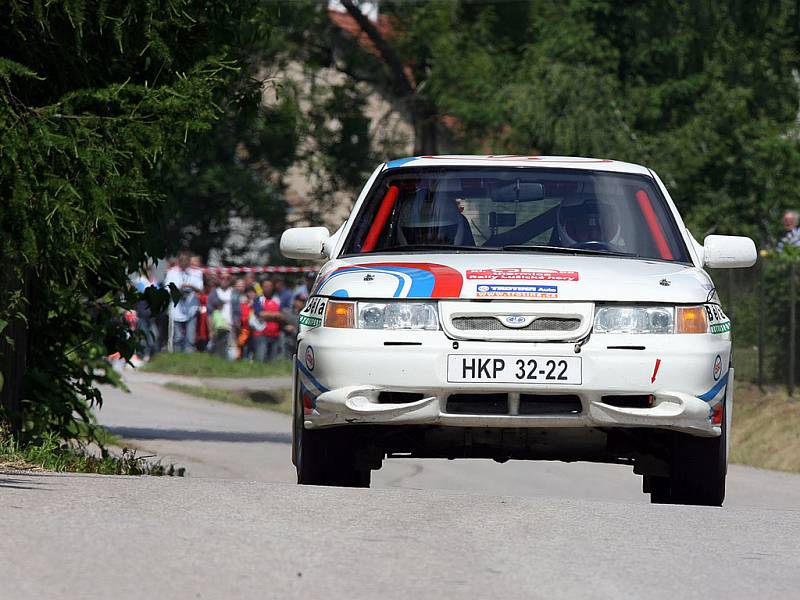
<point x="95" y="99"/>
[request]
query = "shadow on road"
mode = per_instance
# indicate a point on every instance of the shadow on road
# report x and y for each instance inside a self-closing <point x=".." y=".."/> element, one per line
<point x="20" y="484"/>
<point x="149" y="433"/>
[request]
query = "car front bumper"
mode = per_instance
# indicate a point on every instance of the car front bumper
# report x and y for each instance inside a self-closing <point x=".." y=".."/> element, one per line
<point x="341" y="374"/>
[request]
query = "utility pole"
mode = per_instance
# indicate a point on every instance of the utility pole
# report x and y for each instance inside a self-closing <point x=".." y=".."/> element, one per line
<point x="792" y="324"/>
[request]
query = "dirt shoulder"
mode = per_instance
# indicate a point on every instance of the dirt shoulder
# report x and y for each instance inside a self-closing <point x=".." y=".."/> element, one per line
<point x="766" y="428"/>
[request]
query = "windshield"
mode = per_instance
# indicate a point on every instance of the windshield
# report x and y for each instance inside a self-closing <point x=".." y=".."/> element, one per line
<point x="516" y="210"/>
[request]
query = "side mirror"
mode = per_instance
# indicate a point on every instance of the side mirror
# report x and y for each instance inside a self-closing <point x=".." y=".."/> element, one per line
<point x="304" y="242"/>
<point x="729" y="251"/>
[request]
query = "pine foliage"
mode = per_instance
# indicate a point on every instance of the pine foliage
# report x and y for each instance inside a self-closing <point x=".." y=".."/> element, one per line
<point x="95" y="96"/>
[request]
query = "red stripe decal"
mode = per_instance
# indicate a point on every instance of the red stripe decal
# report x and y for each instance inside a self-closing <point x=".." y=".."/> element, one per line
<point x="652" y="223"/>
<point x="387" y="204"/>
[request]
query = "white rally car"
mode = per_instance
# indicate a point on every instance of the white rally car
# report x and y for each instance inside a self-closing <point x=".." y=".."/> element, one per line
<point x="513" y="307"/>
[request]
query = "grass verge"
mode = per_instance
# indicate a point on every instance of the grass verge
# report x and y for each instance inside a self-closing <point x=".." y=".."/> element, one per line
<point x="277" y="400"/>
<point x="201" y="364"/>
<point x="766" y="428"/>
<point x="53" y="454"/>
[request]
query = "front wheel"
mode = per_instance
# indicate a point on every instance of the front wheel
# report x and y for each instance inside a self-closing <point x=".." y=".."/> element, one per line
<point x="697" y="471"/>
<point x="326" y="456"/>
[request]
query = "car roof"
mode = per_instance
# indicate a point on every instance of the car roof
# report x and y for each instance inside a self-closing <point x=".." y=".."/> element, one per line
<point x="507" y="160"/>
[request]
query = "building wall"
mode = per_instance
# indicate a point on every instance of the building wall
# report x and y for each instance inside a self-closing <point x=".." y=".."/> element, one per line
<point x="390" y="132"/>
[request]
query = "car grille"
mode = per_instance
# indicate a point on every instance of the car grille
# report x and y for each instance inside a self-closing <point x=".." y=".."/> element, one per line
<point x="477" y="404"/>
<point x="492" y="324"/>
<point x="498" y="404"/>
<point x="494" y="320"/>
<point x="546" y="404"/>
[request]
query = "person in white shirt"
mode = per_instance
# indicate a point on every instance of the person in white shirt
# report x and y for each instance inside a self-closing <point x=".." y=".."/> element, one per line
<point x="791" y="236"/>
<point x="145" y="321"/>
<point x="221" y="299"/>
<point x="189" y="281"/>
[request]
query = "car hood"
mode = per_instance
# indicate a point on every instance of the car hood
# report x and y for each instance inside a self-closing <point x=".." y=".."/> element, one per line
<point x="519" y="276"/>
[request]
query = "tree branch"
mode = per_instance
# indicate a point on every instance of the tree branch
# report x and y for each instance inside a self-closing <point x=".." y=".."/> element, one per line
<point x="389" y="56"/>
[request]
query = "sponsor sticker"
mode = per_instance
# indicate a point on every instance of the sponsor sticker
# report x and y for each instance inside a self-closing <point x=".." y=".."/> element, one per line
<point x="517" y="291"/>
<point x="717" y="320"/>
<point x="310" y="358"/>
<point x="313" y="311"/>
<point x="519" y="274"/>
<point x="717" y="370"/>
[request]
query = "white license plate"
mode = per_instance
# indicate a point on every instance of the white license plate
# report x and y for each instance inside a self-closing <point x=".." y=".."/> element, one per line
<point x="505" y="368"/>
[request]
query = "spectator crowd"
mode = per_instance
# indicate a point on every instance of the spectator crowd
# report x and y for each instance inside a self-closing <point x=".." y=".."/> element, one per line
<point x="244" y="316"/>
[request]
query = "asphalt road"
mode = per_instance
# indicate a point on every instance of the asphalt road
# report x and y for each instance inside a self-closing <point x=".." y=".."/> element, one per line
<point x="212" y="439"/>
<point x="238" y="527"/>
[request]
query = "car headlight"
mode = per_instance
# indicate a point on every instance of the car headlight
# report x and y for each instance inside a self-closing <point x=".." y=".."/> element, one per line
<point x="398" y="315"/>
<point x="382" y="315"/>
<point x="634" y="319"/>
<point x="650" y="319"/>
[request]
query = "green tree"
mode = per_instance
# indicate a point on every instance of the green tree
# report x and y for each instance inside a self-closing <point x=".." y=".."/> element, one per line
<point x="390" y="56"/>
<point x="95" y="99"/>
<point x="237" y="168"/>
<point x="704" y="92"/>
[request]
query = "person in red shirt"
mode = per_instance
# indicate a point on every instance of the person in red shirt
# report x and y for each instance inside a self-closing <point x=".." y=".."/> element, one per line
<point x="201" y="337"/>
<point x="245" y="339"/>
<point x="265" y="324"/>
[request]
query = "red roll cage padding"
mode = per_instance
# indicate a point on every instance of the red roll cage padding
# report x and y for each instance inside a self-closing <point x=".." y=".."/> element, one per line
<point x="387" y="204"/>
<point x="652" y="223"/>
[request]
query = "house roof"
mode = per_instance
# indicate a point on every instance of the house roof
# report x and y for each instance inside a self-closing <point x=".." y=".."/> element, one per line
<point x="347" y="23"/>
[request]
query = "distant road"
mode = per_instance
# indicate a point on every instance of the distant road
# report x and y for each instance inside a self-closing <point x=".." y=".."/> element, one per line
<point x="238" y="528"/>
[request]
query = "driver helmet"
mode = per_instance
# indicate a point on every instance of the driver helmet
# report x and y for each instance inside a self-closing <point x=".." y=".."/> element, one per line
<point x="429" y="218"/>
<point x="582" y="220"/>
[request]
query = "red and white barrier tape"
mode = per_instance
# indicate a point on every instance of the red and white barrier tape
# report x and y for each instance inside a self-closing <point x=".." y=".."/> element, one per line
<point x="272" y="269"/>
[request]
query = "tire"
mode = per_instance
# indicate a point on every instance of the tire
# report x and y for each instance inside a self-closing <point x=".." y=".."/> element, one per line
<point x="326" y="456"/>
<point x="697" y="471"/>
<point x="659" y="490"/>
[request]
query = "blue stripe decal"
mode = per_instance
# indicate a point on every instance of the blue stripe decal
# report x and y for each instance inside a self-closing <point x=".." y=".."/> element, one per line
<point x="712" y="393"/>
<point x="400" y="162"/>
<point x="422" y="281"/>
<point x="342" y="293"/>
<point x="311" y="378"/>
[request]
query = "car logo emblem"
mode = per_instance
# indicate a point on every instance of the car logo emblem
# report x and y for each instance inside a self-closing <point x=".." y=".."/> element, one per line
<point x="717" y="367"/>
<point x="516" y="320"/>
